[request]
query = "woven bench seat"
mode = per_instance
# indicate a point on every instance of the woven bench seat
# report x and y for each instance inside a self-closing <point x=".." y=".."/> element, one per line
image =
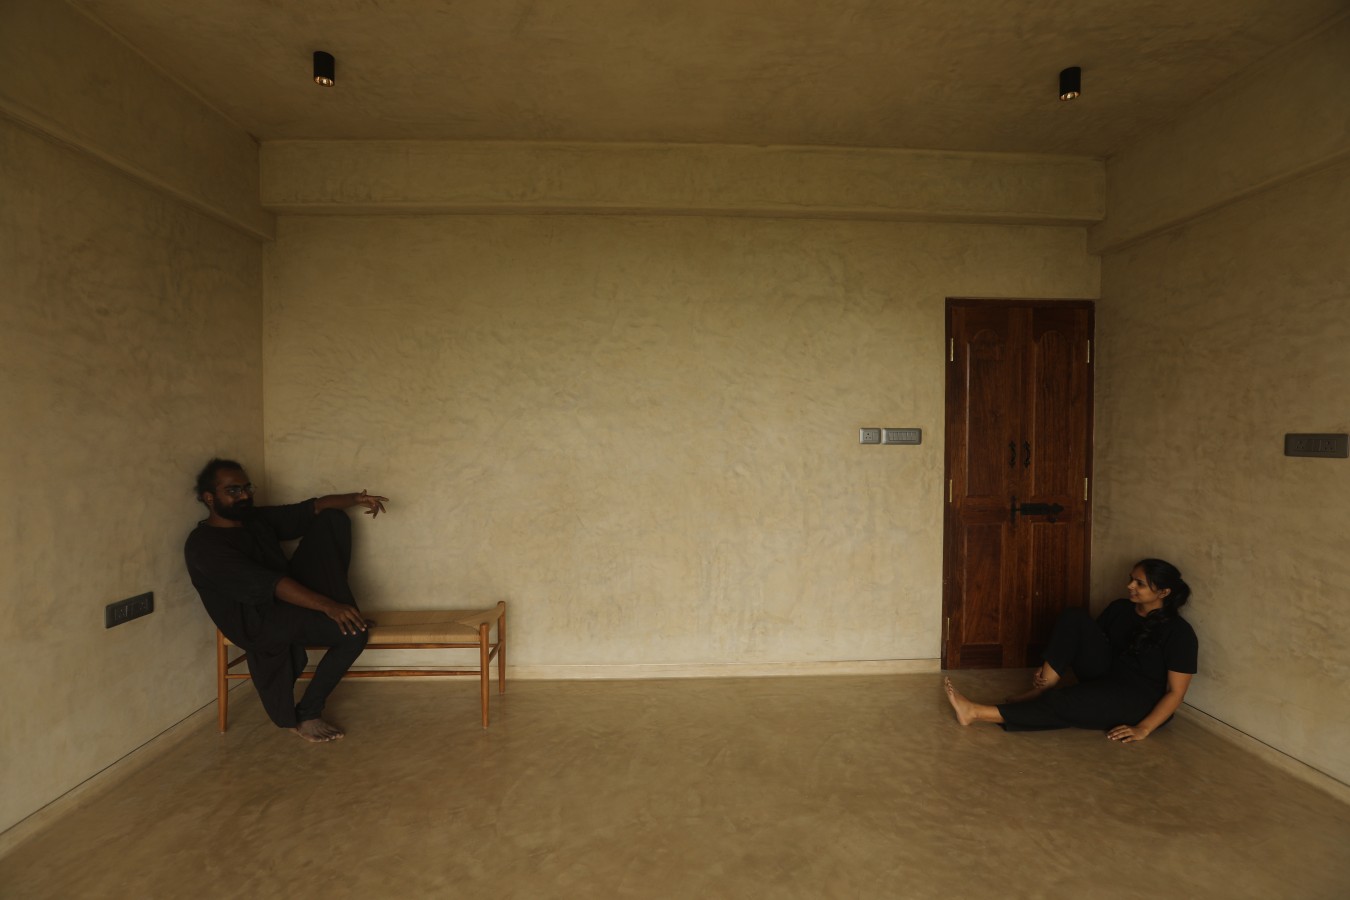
<point x="444" y="629"/>
<point x="430" y="627"/>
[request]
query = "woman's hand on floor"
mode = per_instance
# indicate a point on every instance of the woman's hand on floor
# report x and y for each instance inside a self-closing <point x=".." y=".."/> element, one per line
<point x="1127" y="733"/>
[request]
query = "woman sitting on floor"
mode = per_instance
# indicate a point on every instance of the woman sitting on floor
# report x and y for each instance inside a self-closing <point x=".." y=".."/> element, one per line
<point x="1133" y="664"/>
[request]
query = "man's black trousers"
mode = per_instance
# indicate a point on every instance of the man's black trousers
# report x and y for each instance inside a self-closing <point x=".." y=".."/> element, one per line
<point x="277" y="656"/>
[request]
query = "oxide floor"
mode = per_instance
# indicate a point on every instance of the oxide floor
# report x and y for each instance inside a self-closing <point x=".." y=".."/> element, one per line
<point x="802" y="787"/>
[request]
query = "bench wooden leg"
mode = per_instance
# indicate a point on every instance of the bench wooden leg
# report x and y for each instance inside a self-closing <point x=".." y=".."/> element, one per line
<point x="222" y="685"/>
<point x="501" y="652"/>
<point x="483" y="668"/>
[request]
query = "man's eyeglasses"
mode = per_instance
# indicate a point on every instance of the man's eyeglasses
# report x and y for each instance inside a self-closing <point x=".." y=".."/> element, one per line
<point x="237" y="490"/>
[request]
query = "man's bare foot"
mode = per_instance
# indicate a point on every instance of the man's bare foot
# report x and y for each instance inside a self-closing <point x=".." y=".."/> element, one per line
<point x="318" y="731"/>
<point x="965" y="710"/>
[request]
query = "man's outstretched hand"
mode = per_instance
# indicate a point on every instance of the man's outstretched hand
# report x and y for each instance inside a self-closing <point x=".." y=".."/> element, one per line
<point x="373" y="503"/>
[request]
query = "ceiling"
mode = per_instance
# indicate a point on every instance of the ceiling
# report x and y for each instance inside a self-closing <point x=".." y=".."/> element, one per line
<point x="935" y="74"/>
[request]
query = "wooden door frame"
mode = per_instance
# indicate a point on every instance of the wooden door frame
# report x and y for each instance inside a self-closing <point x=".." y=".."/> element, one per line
<point x="948" y="529"/>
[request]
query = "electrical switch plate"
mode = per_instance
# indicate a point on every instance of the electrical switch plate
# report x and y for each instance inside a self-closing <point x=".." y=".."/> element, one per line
<point x="902" y="435"/>
<point x="126" y="610"/>
<point x="1330" y="446"/>
<point x="869" y="435"/>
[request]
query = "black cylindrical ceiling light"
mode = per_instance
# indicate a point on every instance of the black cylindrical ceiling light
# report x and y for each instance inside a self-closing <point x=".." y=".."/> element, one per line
<point x="1070" y="82"/>
<point x="325" y="68"/>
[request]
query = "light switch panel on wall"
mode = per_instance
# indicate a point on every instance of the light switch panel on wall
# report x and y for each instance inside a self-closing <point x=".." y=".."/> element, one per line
<point x="1327" y="446"/>
<point x="902" y="435"/>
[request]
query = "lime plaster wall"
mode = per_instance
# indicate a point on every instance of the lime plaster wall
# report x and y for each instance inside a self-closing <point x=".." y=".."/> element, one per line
<point x="129" y="354"/>
<point x="1215" y="340"/>
<point x="1286" y="117"/>
<point x="130" y="342"/>
<point x="1216" y="337"/>
<point x="674" y="179"/>
<point x="63" y="74"/>
<point x="641" y="431"/>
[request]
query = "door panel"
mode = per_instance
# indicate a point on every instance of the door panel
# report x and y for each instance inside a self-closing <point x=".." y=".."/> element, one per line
<point x="1057" y="569"/>
<point x="993" y="388"/>
<point x="983" y="570"/>
<point x="1060" y="433"/>
<point x="985" y="396"/>
<point x="1019" y="430"/>
<point x="1058" y="379"/>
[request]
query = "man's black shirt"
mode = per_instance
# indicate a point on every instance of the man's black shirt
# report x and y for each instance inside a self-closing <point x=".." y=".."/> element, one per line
<point x="236" y="570"/>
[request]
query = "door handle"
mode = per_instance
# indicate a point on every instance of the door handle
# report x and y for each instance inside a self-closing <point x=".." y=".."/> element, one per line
<point x="1012" y="454"/>
<point x="1026" y="454"/>
<point x="1052" y="510"/>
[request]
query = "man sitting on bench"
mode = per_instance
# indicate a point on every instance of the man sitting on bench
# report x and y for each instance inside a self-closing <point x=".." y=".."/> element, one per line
<point x="272" y="607"/>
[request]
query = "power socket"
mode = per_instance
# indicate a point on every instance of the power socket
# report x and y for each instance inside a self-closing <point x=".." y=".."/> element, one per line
<point x="128" y="609"/>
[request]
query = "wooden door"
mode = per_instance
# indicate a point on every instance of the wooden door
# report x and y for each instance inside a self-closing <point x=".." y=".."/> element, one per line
<point x="1019" y="457"/>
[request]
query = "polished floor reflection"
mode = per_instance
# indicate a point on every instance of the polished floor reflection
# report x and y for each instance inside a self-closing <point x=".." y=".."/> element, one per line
<point x="777" y="787"/>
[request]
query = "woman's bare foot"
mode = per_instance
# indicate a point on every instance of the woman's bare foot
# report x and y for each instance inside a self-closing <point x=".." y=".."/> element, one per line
<point x="965" y="710"/>
<point x="317" y="731"/>
<point x="968" y="711"/>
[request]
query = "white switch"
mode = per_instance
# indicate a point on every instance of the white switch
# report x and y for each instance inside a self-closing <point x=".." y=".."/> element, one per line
<point x="902" y="435"/>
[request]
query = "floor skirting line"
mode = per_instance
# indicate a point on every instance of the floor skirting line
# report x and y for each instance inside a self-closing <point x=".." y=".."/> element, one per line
<point x="102" y="780"/>
<point x="631" y="671"/>
<point x="641" y="671"/>
<point x="1276" y="757"/>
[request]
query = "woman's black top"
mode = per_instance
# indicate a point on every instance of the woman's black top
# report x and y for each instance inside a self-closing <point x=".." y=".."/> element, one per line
<point x="1171" y="647"/>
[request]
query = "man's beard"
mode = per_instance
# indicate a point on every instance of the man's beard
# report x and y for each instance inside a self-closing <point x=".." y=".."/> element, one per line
<point x="239" y="511"/>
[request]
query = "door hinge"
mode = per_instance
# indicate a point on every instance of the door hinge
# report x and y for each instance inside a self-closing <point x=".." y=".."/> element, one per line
<point x="1085" y="487"/>
<point x="947" y="631"/>
<point x="1089" y="355"/>
<point x="951" y="350"/>
<point x="949" y="490"/>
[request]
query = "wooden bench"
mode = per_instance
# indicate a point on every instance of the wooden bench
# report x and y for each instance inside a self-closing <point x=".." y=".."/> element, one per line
<point x="403" y="630"/>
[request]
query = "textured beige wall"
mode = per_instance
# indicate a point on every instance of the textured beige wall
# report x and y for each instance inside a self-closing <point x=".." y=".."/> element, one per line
<point x="131" y="294"/>
<point x="129" y="353"/>
<point x="824" y="182"/>
<point x="1284" y="118"/>
<point x="68" y="77"/>
<point x="642" y="432"/>
<point x="1215" y="340"/>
